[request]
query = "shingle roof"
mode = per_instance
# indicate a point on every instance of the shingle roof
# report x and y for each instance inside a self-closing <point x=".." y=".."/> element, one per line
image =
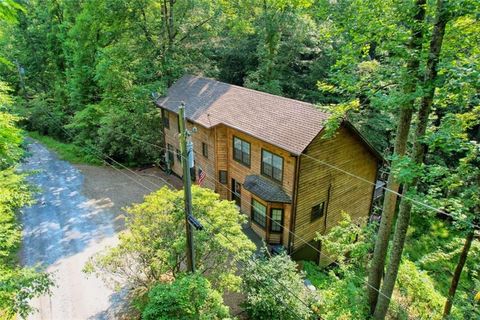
<point x="266" y="189"/>
<point x="286" y="123"/>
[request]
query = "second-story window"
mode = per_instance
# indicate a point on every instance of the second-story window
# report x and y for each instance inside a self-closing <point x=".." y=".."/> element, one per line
<point x="165" y="119"/>
<point x="241" y="151"/>
<point x="272" y="165"/>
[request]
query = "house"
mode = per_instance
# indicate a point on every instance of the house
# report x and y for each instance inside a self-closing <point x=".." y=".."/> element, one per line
<point x="267" y="154"/>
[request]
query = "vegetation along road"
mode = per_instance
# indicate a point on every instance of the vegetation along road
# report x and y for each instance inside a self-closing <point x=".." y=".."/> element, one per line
<point x="76" y="215"/>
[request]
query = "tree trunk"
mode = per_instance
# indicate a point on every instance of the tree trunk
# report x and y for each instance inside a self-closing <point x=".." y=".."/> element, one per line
<point x="403" y="128"/>
<point x="457" y="273"/>
<point x="404" y="213"/>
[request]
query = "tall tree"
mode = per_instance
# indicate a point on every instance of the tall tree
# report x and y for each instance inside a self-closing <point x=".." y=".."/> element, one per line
<point x="403" y="220"/>
<point x="403" y="127"/>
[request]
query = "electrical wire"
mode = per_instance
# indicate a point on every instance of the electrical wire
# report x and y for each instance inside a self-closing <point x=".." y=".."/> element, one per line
<point x="389" y="168"/>
<point x="414" y="201"/>
<point x="258" y="280"/>
<point x="332" y="260"/>
<point x="152" y="190"/>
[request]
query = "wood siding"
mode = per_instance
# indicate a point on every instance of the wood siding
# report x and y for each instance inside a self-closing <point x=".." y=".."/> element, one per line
<point x="341" y="192"/>
<point x="238" y="171"/>
<point x="221" y="153"/>
<point x="203" y="135"/>
<point x="317" y="182"/>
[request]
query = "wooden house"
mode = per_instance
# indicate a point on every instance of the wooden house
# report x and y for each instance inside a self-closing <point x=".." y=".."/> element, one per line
<point x="267" y="153"/>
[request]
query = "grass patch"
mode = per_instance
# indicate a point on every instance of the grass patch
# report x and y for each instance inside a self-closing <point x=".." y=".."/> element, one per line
<point x="66" y="151"/>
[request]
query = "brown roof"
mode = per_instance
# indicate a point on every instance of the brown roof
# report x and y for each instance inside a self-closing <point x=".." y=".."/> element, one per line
<point x="286" y="123"/>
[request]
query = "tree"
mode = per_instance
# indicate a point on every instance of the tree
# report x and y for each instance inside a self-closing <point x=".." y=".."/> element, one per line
<point x="154" y="242"/>
<point x="403" y="220"/>
<point x="459" y="178"/>
<point x="403" y="127"/>
<point x="187" y="297"/>
<point x="275" y="289"/>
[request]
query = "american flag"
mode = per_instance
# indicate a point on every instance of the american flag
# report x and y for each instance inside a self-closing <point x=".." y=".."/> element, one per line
<point x="201" y="176"/>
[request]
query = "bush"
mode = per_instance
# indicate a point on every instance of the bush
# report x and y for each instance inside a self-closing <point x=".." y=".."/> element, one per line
<point x="188" y="297"/>
<point x="417" y="295"/>
<point x="271" y="285"/>
<point x="341" y="289"/>
<point x="68" y="151"/>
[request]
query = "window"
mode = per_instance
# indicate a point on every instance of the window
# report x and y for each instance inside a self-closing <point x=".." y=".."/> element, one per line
<point x="222" y="174"/>
<point x="237" y="192"/>
<point x="241" y="151"/>
<point x="179" y="156"/>
<point x="272" y="165"/>
<point x="178" y="123"/>
<point x="259" y="213"/>
<point x="205" y="149"/>
<point x="171" y="156"/>
<point x="165" y="119"/>
<point x="277" y="218"/>
<point x="318" y="211"/>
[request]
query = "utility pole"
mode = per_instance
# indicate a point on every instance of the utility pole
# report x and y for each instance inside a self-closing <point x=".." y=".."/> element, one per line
<point x="186" y="148"/>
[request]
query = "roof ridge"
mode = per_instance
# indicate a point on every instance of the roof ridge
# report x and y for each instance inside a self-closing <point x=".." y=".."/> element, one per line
<point x="261" y="92"/>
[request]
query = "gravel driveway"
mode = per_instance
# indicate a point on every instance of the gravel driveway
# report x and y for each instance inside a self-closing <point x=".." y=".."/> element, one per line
<point x="77" y="214"/>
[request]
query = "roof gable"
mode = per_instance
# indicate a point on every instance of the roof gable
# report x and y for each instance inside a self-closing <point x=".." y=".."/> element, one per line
<point x="286" y="123"/>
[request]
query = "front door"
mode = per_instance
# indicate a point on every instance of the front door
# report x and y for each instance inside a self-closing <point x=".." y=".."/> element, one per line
<point x="237" y="192"/>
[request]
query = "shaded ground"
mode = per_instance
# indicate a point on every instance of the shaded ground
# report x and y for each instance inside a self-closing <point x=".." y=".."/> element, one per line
<point x="77" y="214"/>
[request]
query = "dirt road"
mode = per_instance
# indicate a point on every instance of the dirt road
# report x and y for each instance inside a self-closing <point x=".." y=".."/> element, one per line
<point x="77" y="214"/>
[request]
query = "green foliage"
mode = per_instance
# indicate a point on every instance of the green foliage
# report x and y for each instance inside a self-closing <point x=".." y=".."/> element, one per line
<point x="349" y="242"/>
<point x="67" y="151"/>
<point x="9" y="9"/>
<point x="417" y="296"/>
<point x="17" y="285"/>
<point x="271" y="284"/>
<point x="435" y="247"/>
<point x="338" y="116"/>
<point x="10" y="139"/>
<point x="155" y="242"/>
<point x="341" y="287"/>
<point x="187" y="297"/>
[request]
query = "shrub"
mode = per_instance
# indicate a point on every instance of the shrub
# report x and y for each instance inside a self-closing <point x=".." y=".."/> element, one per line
<point x="418" y="296"/>
<point x="271" y="286"/>
<point x="188" y="297"/>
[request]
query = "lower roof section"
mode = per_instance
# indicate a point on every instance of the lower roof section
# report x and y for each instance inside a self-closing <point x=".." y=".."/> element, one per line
<point x="266" y="189"/>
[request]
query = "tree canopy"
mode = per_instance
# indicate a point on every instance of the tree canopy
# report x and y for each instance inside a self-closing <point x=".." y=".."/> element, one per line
<point x="405" y="73"/>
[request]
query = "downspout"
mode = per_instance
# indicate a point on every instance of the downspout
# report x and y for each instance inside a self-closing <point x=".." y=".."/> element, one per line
<point x="293" y="216"/>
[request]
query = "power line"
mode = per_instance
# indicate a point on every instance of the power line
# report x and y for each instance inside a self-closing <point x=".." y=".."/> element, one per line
<point x="256" y="263"/>
<point x="370" y="182"/>
<point x="414" y="201"/>
<point x="281" y="226"/>
<point x="151" y="190"/>
<point x="291" y="232"/>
